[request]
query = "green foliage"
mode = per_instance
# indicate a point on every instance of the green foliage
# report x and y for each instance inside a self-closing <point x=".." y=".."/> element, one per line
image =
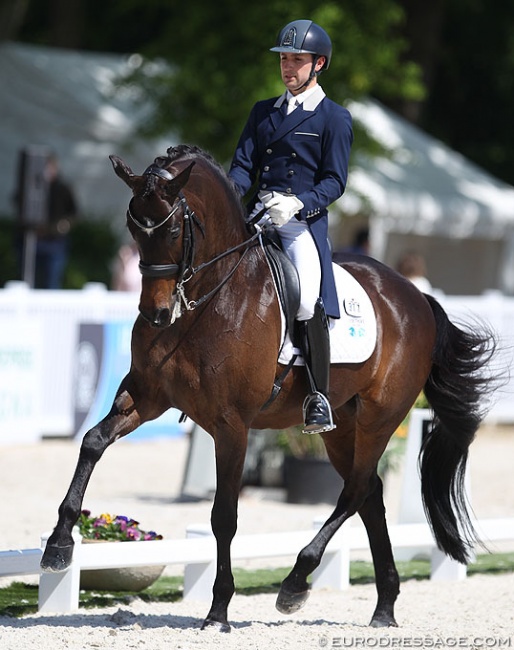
<point x="219" y="63"/>
<point x="93" y="246"/>
<point x="301" y="445"/>
<point x="9" y="265"/>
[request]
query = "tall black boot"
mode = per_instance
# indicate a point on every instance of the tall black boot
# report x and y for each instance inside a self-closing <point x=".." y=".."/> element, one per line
<point x="314" y="342"/>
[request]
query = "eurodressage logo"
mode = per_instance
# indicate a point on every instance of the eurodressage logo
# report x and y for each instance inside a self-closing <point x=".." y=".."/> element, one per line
<point x="414" y="642"/>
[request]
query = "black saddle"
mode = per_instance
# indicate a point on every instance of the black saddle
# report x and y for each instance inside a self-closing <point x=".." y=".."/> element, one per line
<point x="285" y="276"/>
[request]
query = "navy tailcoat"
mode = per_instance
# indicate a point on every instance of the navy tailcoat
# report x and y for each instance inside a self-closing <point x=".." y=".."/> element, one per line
<point x="305" y="154"/>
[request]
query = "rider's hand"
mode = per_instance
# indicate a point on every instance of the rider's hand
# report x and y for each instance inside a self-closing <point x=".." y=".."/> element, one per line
<point x="281" y="208"/>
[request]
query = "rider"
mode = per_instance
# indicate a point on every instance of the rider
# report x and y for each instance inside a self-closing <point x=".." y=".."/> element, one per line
<point x="296" y="147"/>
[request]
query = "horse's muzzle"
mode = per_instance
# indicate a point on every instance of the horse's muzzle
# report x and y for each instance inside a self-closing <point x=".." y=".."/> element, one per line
<point x="159" y="318"/>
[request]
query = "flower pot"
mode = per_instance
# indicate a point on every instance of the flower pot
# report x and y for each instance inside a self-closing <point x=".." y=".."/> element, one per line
<point x="121" y="579"/>
<point x="311" y="481"/>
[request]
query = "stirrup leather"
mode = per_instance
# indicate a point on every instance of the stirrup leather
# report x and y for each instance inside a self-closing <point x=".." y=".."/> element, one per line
<point x="317" y="414"/>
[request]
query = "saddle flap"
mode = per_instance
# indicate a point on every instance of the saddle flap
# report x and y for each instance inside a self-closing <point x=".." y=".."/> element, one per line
<point x="285" y="276"/>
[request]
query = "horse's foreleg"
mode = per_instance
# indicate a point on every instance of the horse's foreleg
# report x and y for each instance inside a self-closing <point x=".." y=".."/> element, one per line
<point x="386" y="576"/>
<point x="229" y="468"/>
<point x="122" y="419"/>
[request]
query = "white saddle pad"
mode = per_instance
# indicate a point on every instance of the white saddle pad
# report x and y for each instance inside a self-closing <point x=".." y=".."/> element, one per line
<point x="353" y="336"/>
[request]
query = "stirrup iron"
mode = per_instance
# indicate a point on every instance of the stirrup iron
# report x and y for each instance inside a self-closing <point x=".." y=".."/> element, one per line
<point x="317" y="414"/>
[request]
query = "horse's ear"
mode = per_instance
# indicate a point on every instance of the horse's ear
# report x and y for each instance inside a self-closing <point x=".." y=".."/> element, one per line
<point x="174" y="186"/>
<point x="122" y="170"/>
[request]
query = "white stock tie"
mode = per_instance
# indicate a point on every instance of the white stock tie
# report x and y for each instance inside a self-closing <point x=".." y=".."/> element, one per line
<point x="292" y="104"/>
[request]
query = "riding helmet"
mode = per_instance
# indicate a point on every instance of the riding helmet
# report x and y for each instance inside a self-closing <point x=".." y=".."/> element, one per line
<point x="304" y="36"/>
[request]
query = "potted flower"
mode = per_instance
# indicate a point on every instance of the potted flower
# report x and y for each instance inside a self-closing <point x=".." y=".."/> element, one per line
<point x="116" y="528"/>
<point x="309" y="476"/>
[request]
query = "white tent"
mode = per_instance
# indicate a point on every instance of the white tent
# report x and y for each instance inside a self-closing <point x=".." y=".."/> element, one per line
<point x="424" y="196"/>
<point x="68" y="101"/>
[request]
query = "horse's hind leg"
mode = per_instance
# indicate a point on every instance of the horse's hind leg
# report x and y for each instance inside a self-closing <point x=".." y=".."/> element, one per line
<point x="122" y="419"/>
<point x="361" y="492"/>
<point x="387" y="581"/>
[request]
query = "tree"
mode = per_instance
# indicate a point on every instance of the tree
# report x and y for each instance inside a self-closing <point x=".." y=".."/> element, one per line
<point x="218" y="62"/>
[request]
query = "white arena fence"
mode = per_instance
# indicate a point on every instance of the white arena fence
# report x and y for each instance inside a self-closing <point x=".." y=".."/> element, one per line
<point x="49" y="321"/>
<point x="59" y="592"/>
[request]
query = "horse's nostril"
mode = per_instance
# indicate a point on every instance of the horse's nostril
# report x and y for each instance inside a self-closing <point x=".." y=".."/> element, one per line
<point x="161" y="318"/>
<point x="157" y="318"/>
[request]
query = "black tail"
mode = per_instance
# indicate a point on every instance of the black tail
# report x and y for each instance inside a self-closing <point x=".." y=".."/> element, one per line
<point x="455" y="389"/>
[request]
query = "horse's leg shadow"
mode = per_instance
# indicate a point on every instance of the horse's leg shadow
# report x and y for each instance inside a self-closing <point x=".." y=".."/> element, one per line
<point x="121" y="420"/>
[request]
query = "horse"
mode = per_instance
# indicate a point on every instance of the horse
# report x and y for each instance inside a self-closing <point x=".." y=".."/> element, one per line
<point x="206" y="341"/>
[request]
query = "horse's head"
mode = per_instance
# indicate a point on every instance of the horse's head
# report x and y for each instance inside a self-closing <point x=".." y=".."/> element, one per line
<point x="161" y="224"/>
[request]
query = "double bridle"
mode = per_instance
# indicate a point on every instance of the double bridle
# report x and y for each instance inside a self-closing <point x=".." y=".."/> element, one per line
<point x="185" y="270"/>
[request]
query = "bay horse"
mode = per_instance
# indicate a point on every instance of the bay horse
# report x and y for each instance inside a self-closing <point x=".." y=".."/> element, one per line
<point x="207" y="340"/>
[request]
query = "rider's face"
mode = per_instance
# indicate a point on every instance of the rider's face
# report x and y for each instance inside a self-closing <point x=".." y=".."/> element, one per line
<point x="295" y="70"/>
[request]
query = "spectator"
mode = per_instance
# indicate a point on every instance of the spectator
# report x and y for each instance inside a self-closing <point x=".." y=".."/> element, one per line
<point x="126" y="275"/>
<point x="52" y="233"/>
<point x="412" y="266"/>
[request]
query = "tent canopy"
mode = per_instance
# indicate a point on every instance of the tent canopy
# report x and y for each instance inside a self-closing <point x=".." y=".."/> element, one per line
<point x="423" y="196"/>
<point x="422" y="186"/>
<point x="68" y="101"/>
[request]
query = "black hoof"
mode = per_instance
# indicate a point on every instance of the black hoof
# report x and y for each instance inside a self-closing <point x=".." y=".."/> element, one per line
<point x="221" y="627"/>
<point x="56" y="558"/>
<point x="383" y="621"/>
<point x="289" y="603"/>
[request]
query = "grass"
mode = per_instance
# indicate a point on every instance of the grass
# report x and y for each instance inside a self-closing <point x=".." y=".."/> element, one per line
<point x="20" y="599"/>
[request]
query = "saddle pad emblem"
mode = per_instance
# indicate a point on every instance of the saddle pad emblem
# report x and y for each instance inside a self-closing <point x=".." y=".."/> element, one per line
<point x="352" y="308"/>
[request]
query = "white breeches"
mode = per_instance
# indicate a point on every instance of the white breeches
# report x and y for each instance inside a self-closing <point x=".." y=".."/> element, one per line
<point x="299" y="245"/>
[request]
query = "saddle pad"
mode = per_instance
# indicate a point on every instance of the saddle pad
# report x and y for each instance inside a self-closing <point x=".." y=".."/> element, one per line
<point x="353" y="336"/>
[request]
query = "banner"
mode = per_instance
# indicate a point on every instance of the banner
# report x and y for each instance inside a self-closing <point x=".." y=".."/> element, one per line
<point x="102" y="361"/>
<point x="20" y="381"/>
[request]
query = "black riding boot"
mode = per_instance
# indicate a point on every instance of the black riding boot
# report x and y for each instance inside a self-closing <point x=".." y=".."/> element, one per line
<point x="314" y="342"/>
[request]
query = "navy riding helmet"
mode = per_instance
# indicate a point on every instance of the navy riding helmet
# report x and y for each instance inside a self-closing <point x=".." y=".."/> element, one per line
<point x="304" y="36"/>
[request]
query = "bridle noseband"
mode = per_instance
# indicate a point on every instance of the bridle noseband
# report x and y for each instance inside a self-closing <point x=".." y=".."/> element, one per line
<point x="185" y="270"/>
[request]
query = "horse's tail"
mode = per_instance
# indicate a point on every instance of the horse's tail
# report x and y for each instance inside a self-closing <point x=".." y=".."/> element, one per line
<point x="454" y="389"/>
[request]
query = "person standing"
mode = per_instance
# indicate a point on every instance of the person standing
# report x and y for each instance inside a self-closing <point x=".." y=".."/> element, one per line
<point x="296" y="149"/>
<point x="53" y="235"/>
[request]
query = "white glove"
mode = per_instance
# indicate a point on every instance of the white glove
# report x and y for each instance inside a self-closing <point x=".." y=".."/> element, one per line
<point x="281" y="208"/>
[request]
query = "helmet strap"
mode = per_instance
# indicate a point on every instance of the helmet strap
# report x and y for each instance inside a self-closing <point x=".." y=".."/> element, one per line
<point x="313" y="72"/>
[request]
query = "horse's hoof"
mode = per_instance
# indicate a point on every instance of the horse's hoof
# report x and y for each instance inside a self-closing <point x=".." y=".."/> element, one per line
<point x="221" y="627"/>
<point x="289" y="603"/>
<point x="56" y="558"/>
<point x="383" y="621"/>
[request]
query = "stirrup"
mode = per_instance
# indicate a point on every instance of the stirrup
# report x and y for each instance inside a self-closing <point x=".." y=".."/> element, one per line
<point x="317" y="414"/>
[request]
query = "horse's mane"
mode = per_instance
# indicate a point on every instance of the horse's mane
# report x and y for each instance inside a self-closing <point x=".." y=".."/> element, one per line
<point x="190" y="152"/>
